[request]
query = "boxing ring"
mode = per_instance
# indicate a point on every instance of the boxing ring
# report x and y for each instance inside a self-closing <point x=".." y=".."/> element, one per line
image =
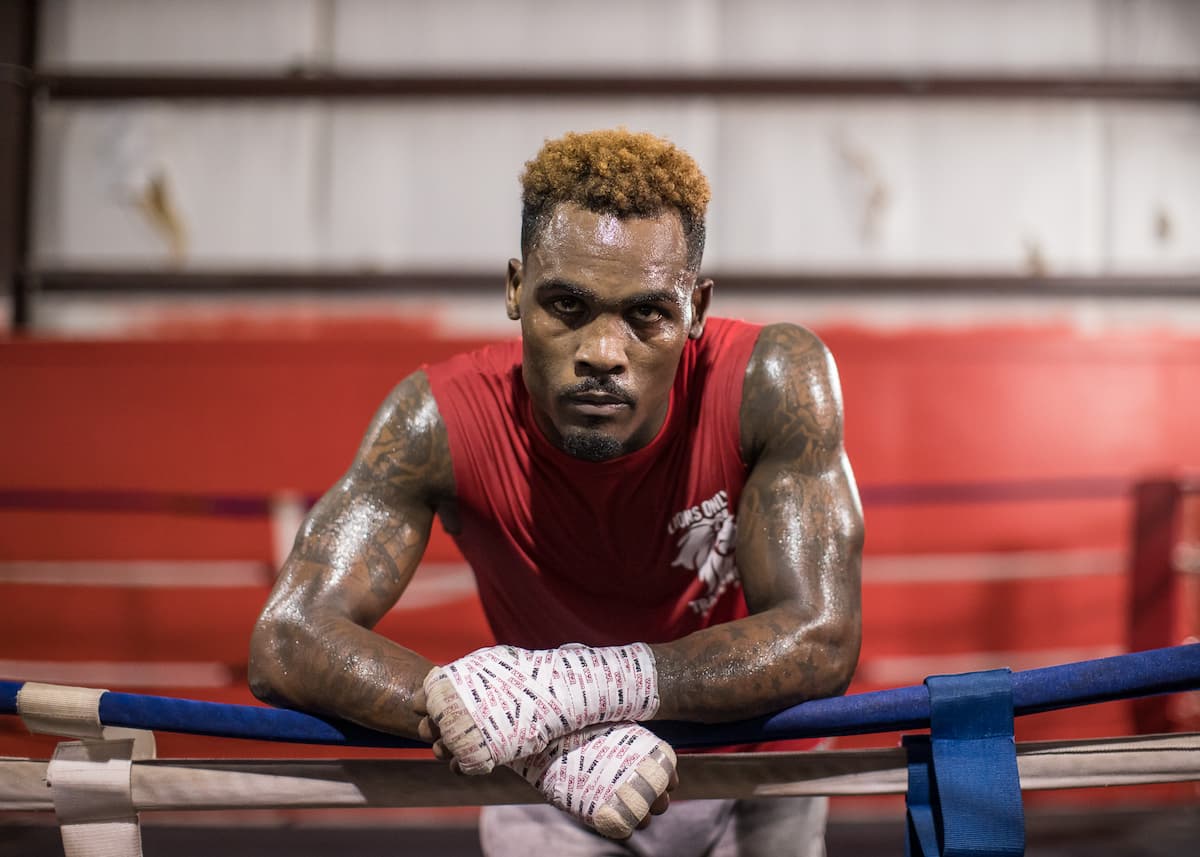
<point x="962" y="779"/>
<point x="192" y="612"/>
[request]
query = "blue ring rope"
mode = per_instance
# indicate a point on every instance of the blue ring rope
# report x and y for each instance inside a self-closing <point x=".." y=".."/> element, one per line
<point x="1146" y="673"/>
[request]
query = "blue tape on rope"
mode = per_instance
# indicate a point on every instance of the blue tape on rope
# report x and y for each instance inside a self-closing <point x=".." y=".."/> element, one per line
<point x="977" y="790"/>
<point x="924" y="832"/>
<point x="1123" y="676"/>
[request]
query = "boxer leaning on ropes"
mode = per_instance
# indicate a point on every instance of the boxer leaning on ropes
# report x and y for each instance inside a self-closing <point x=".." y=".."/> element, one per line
<point x="656" y="505"/>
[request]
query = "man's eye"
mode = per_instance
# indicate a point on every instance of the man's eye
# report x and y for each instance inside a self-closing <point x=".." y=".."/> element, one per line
<point x="647" y="313"/>
<point x="565" y="306"/>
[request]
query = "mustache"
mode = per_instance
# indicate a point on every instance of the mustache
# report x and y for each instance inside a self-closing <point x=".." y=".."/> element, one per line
<point x="600" y="384"/>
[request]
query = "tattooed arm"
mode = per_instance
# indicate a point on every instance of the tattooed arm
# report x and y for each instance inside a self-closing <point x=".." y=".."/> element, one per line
<point x="799" y="548"/>
<point x="312" y="647"/>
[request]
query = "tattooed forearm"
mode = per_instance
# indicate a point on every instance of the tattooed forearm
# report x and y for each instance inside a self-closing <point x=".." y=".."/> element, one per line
<point x="798" y="551"/>
<point x="312" y="647"/>
<point x="799" y="547"/>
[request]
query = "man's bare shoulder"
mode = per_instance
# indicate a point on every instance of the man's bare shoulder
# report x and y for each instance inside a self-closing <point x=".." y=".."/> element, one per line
<point x="406" y="451"/>
<point x="791" y="399"/>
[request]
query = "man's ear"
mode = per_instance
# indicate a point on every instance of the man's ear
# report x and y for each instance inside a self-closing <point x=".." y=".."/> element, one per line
<point x="701" y="298"/>
<point x="512" y="289"/>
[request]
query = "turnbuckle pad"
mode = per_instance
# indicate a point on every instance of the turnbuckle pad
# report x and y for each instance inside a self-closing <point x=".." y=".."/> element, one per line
<point x="964" y="792"/>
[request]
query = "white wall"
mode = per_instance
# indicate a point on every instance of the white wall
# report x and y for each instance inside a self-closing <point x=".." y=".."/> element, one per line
<point x="626" y="34"/>
<point x="799" y="185"/>
<point x="994" y="186"/>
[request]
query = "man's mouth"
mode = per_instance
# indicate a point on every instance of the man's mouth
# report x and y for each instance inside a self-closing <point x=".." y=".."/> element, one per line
<point x="596" y="404"/>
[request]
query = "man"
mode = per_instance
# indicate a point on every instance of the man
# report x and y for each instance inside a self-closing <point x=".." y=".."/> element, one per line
<point x="657" y="507"/>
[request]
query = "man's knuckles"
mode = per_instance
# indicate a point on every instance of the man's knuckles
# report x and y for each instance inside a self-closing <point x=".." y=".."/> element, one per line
<point x="661" y="805"/>
<point x="641" y="796"/>
<point x="452" y="726"/>
<point x="427" y="731"/>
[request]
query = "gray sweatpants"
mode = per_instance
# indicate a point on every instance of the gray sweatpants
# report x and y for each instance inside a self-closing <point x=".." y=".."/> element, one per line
<point x="696" y="828"/>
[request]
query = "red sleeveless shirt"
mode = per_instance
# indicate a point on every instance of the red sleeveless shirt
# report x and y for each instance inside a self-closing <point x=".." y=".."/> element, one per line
<point x="637" y="548"/>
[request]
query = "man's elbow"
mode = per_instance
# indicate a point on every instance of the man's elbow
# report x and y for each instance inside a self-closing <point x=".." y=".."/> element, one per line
<point x="846" y="661"/>
<point x="841" y="640"/>
<point x="273" y="668"/>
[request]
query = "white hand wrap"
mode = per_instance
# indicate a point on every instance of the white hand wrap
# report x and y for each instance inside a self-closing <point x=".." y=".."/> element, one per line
<point x="503" y="703"/>
<point x="607" y="776"/>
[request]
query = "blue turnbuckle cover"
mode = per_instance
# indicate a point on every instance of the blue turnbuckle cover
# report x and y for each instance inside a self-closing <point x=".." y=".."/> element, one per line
<point x="964" y="795"/>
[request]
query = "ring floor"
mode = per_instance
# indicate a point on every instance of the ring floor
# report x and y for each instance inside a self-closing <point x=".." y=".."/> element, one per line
<point x="1113" y="833"/>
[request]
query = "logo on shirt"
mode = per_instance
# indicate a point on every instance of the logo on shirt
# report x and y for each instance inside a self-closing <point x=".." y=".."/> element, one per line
<point x="707" y="535"/>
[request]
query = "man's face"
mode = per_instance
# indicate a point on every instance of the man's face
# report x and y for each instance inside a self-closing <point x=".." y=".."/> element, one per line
<point x="606" y="306"/>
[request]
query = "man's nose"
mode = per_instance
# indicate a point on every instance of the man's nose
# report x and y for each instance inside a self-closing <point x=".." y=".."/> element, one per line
<point x="601" y="349"/>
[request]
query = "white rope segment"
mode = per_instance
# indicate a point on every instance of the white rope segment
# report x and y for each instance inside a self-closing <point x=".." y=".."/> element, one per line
<point x="90" y="787"/>
<point x="56" y="709"/>
<point x="89" y="782"/>
<point x="197" y="784"/>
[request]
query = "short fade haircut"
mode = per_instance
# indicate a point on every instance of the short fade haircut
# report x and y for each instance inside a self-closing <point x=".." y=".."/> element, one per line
<point x="619" y="172"/>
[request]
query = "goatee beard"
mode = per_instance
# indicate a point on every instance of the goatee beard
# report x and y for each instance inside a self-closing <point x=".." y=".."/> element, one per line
<point x="591" y="445"/>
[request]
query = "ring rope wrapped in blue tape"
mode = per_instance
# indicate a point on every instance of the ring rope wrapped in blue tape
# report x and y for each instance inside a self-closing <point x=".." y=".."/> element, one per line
<point x="1156" y="671"/>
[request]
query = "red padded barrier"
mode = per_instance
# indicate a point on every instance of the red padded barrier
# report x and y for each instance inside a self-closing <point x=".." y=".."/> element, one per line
<point x="262" y="416"/>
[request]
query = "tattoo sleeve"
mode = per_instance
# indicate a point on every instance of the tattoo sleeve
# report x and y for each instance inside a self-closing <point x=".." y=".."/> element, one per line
<point x="313" y="647"/>
<point x="799" y="548"/>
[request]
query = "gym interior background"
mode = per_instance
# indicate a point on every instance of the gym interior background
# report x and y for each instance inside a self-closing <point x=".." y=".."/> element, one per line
<point x="228" y="228"/>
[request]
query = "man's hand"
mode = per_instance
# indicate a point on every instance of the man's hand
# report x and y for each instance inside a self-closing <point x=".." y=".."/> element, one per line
<point x="502" y="703"/>
<point x="613" y="777"/>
